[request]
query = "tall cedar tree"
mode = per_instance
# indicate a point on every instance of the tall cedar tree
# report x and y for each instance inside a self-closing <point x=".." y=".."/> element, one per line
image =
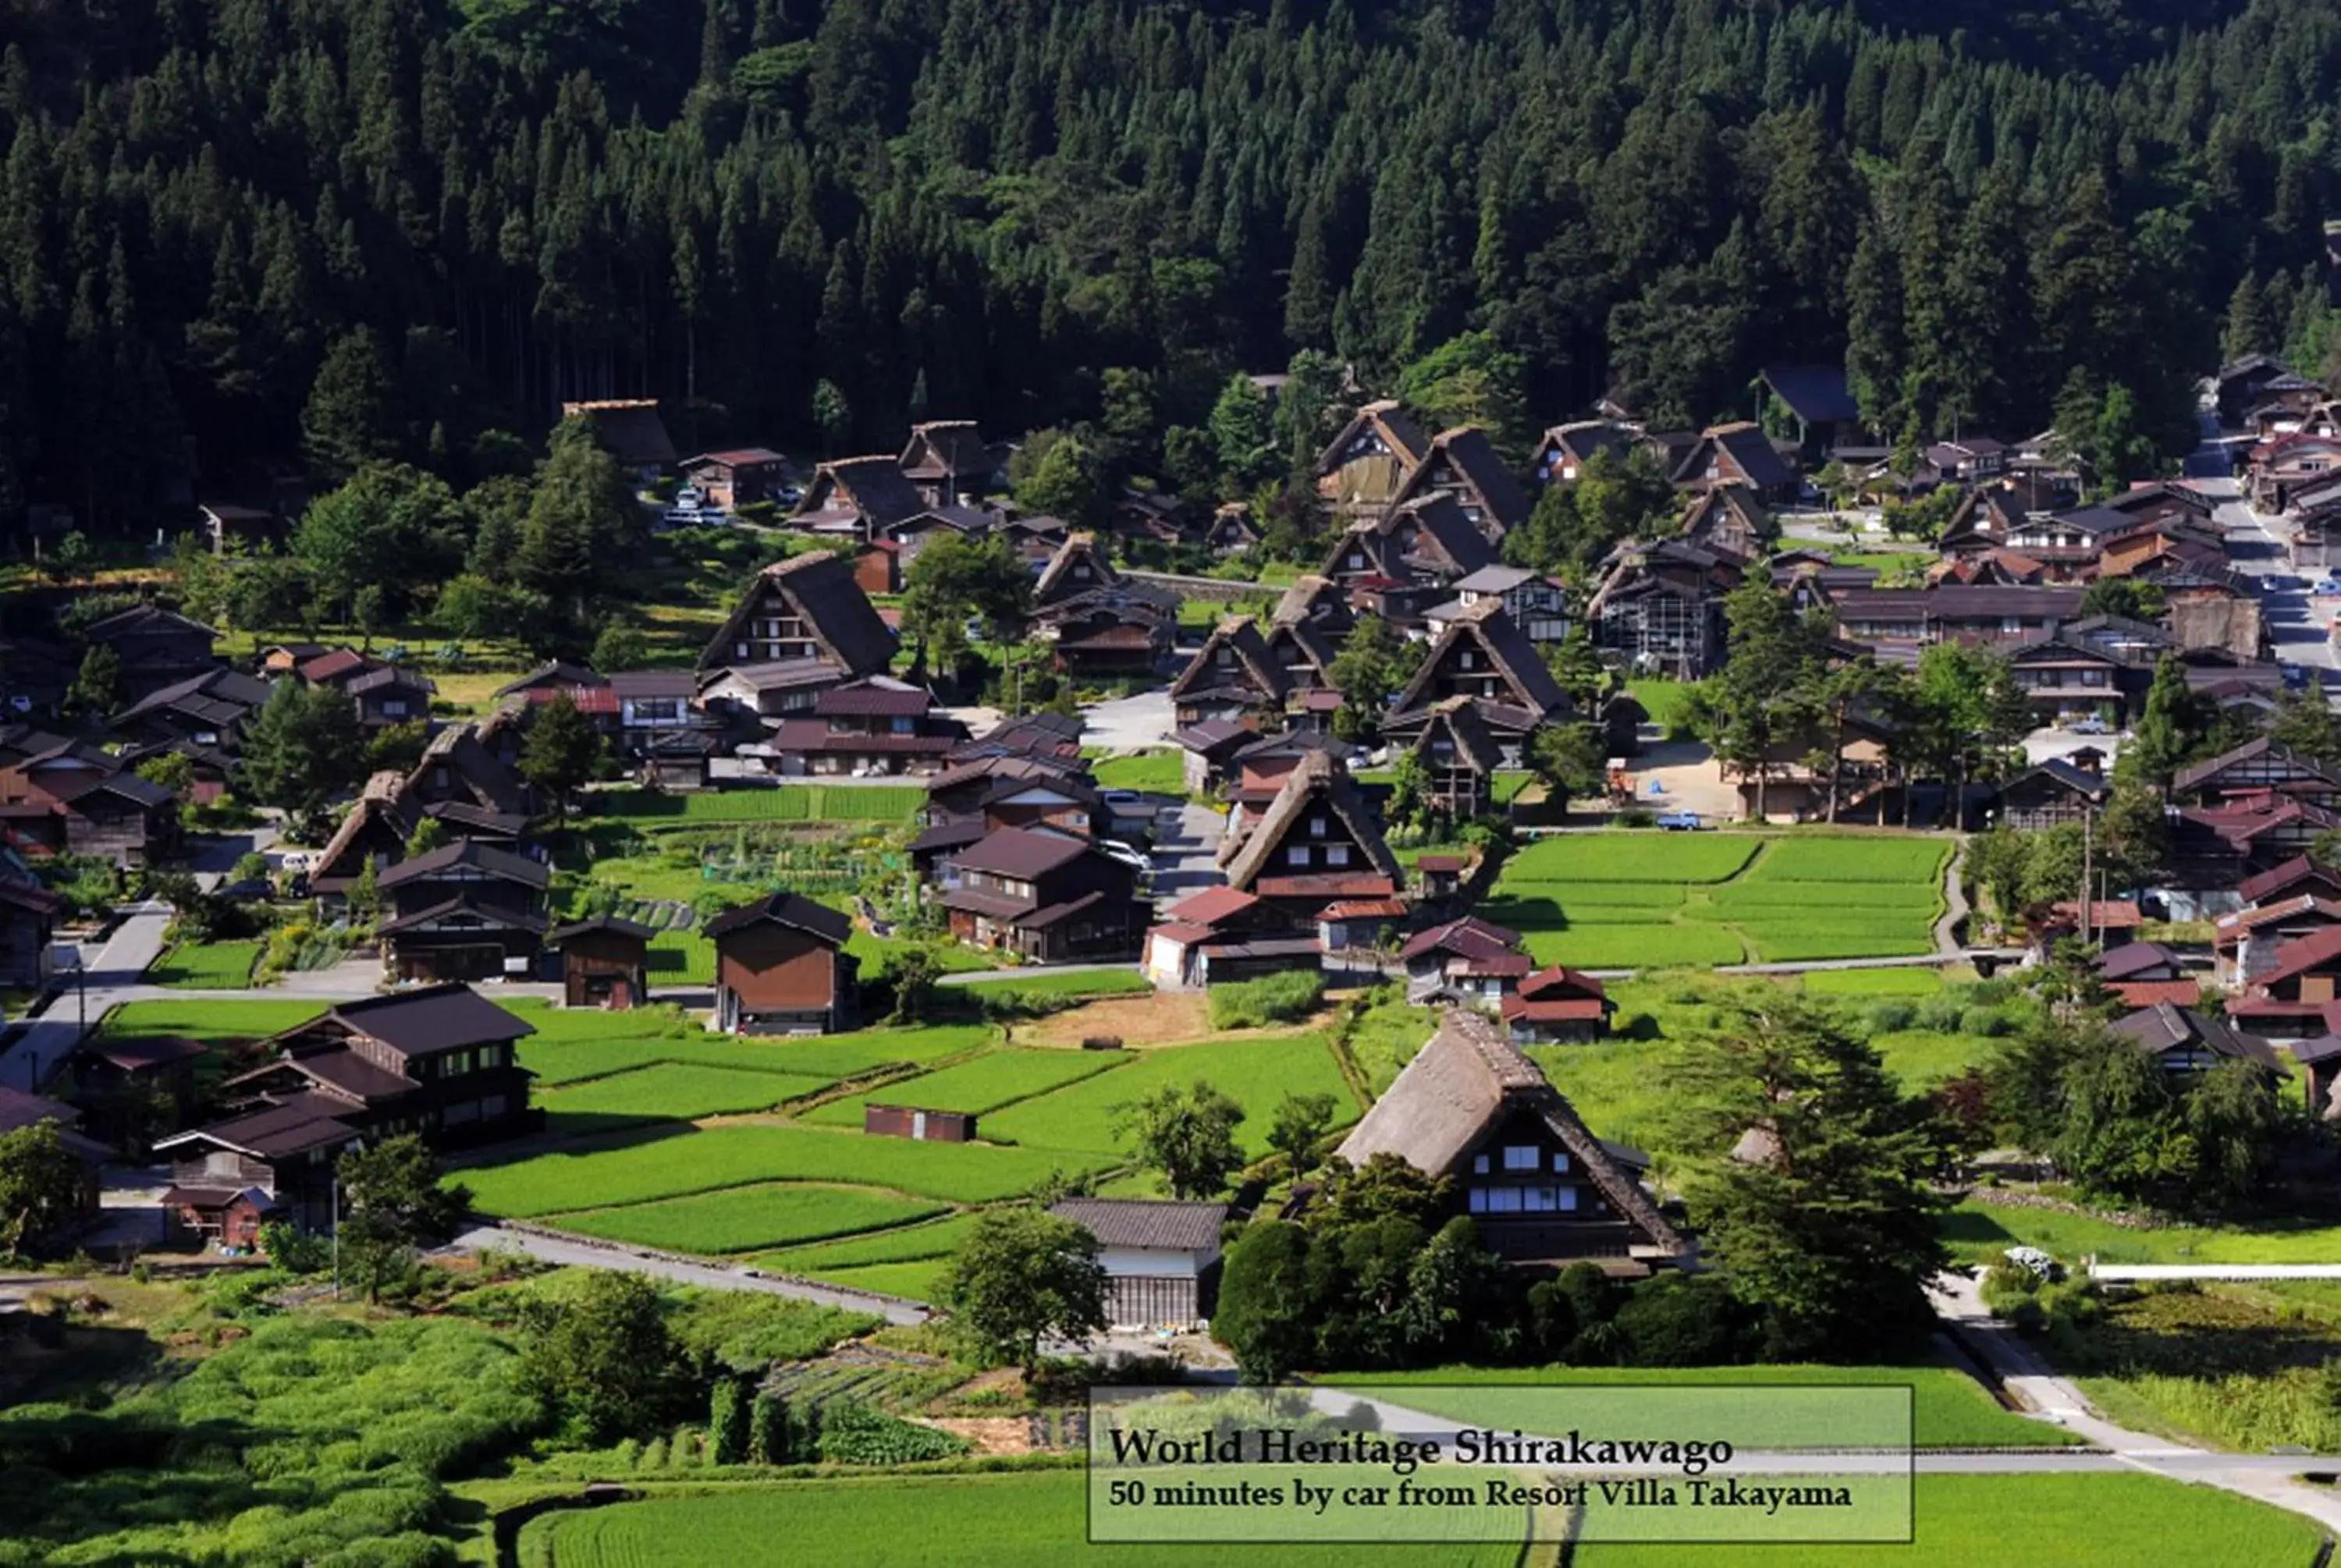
<point x="560" y="752"/>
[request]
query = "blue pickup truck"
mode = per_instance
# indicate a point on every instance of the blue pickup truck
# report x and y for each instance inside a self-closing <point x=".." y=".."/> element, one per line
<point x="1682" y="822"/>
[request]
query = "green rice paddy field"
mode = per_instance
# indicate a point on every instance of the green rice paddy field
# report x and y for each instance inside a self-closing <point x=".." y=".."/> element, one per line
<point x="1637" y="900"/>
<point x="1040" y="1518"/>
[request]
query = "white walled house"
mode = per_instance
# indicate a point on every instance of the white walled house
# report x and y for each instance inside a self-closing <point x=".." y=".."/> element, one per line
<point x="1161" y="1259"/>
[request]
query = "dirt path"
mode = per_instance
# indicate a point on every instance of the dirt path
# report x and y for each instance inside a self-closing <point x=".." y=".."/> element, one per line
<point x="1955" y="903"/>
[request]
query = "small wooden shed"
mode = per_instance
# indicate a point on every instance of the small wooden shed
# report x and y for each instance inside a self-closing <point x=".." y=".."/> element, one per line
<point x="925" y="1125"/>
<point x="604" y="962"/>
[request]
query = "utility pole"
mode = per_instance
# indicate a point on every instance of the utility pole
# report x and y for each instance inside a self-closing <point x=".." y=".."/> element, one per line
<point x="2089" y="822"/>
<point x="335" y="1188"/>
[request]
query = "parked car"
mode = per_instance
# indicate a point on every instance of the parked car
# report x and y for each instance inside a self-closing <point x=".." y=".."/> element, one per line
<point x="1683" y="822"/>
<point x="2326" y="585"/>
<point x="2090" y="725"/>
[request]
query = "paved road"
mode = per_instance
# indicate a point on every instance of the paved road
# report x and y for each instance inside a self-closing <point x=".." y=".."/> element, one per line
<point x="632" y="1260"/>
<point x="2257" y="547"/>
<point x="211" y="856"/>
<point x="1186" y="853"/>
<point x="2264" y="1477"/>
<point x="113" y="971"/>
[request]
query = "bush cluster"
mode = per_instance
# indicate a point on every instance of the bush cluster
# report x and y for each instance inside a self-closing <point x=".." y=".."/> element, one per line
<point x="1270" y="999"/>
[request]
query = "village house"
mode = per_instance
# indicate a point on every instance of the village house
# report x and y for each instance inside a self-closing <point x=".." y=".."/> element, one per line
<point x="2066" y="676"/>
<point x="1557" y="1005"/>
<point x="1099" y="624"/>
<point x="1321" y="603"/>
<point x="2144" y="974"/>
<point x="946" y="461"/>
<point x="857" y="498"/>
<point x="2245" y="942"/>
<point x="1235" y="678"/>
<point x="2239" y="386"/>
<point x="1046" y="896"/>
<point x="133" y="1088"/>
<point x="157" y="647"/>
<point x="1482" y="656"/>
<point x="804" y="626"/>
<point x="1464" y="464"/>
<point x="391" y="695"/>
<point x="1561" y="455"/>
<point x="71" y="795"/>
<point x="225" y="525"/>
<point x="1219" y="936"/>
<point x="464" y="911"/>
<point x="28" y="923"/>
<point x="1318" y="842"/>
<point x="204" y="715"/>
<point x="782" y="967"/>
<point x="1370" y="459"/>
<point x="604" y="962"/>
<point x="2049" y="794"/>
<point x="1307" y="655"/>
<point x="738" y="477"/>
<point x="469" y="780"/>
<point x="2288" y="464"/>
<point x="1542" y="1191"/>
<point x="1820" y="402"/>
<point x="1538" y="605"/>
<point x="1161" y="1259"/>
<point x="1727" y="520"/>
<point x="1465" y="962"/>
<point x="867" y="728"/>
<point x="441" y="1062"/>
<point x="1738" y="453"/>
<point x="2290" y="996"/>
<point x="630" y="430"/>
<point x="1231" y="530"/>
<point x="2257" y="768"/>
<point x="1908" y="619"/>
<point x="2184" y="1041"/>
<point x="1395" y="562"/>
<point x="1460" y="757"/>
<point x="1660" y="607"/>
<point x="658" y="729"/>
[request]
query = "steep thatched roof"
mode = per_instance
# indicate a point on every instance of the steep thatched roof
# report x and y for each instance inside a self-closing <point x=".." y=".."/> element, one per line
<point x="1474" y="745"/>
<point x="1313" y="598"/>
<point x="1240" y="635"/>
<point x="1460" y="1088"/>
<point x="1317" y="777"/>
<point x="1488" y="628"/>
<point x="819" y="587"/>
<point x="1057" y="582"/>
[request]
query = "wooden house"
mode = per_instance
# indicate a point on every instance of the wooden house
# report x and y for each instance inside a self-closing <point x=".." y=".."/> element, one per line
<point x="1660" y="607"/>
<point x="2239" y="387"/>
<point x="1100" y="623"/>
<point x="135" y="1086"/>
<point x="2293" y="878"/>
<point x="1739" y="454"/>
<point x="2257" y="768"/>
<point x="2245" y="941"/>
<point x="77" y="798"/>
<point x="1561" y="455"/>
<point x="1161" y="1259"/>
<point x="441" y="1063"/>
<point x="157" y="647"/>
<point x="1557" y="1005"/>
<point x="782" y="967"/>
<point x="468" y="778"/>
<point x="738" y="476"/>
<point x="1235" y="676"/>
<point x="1318" y="841"/>
<point x="1727" y="520"/>
<point x="225" y="525"/>
<point x="604" y="962"/>
<point x="391" y="695"/>
<point x="35" y="674"/>
<point x="1542" y="1191"/>
<point x="2051" y="793"/>
<point x="1463" y="463"/>
<point x="375" y="829"/>
<point x="873" y="726"/>
<point x="1465" y="962"/>
<point x="918" y="1124"/>
<point x="1047" y="897"/>
<point x="857" y="497"/>
<point x="1370" y="459"/>
<point x="2291" y="996"/>
<point x="1484" y="657"/>
<point x="1538" y="605"/>
<point x="2187" y="1042"/>
<point x="1909" y="620"/>
<point x="1820" y="402"/>
<point x="1230" y="531"/>
<point x="1426" y="544"/>
<point x="1321" y="602"/>
<point x="1461" y="757"/>
<point x="1307" y="655"/>
<point x="463" y="911"/>
<point x="804" y="626"/>
<point x="1219" y="935"/>
<point x="946" y="461"/>
<point x="631" y="430"/>
<point x="28" y="922"/>
<point x="2065" y="677"/>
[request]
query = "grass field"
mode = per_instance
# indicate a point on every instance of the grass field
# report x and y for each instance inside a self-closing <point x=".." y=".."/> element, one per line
<point x="705" y="1160"/>
<point x="743" y="1218"/>
<point x="904" y="1244"/>
<point x="1915" y="981"/>
<point x="238" y="1020"/>
<point x="678" y="1092"/>
<point x="560" y="1060"/>
<point x="207" y="967"/>
<point x="1088" y="983"/>
<point x="1622" y="900"/>
<point x="1979" y="1233"/>
<point x="1949" y="1409"/>
<point x="985" y="1084"/>
<point x="1038" y="1518"/>
<point x="1162" y="772"/>
<point x="1255" y="1073"/>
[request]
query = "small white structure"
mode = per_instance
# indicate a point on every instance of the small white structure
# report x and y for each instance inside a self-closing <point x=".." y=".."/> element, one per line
<point x="1161" y="1259"/>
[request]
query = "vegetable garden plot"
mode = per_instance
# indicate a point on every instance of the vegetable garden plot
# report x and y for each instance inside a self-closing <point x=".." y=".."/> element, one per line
<point x="983" y="1084"/>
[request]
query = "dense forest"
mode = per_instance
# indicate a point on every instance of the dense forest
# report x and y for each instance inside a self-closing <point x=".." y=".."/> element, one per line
<point x="801" y="224"/>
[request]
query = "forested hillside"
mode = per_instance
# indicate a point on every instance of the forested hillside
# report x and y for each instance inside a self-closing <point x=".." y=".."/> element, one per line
<point x="981" y="206"/>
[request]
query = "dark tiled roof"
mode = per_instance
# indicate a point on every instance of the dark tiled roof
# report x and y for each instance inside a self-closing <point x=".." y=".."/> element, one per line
<point x="830" y="925"/>
<point x="1146" y="1225"/>
<point x="472" y="854"/>
<point x="1815" y="394"/>
<point x="1022" y="853"/>
<point x="436" y="1018"/>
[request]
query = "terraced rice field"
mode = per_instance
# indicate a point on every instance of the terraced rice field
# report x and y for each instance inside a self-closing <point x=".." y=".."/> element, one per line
<point x="207" y="967"/>
<point x="743" y="1218"/>
<point x="985" y="1084"/>
<point x="1255" y="1073"/>
<point x="1641" y="900"/>
<point x="676" y="1092"/>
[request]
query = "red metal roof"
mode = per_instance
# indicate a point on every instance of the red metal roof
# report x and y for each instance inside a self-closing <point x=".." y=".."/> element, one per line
<point x="1211" y="906"/>
<point x="1586" y="1010"/>
<point x="1363" y="910"/>
<point x="2146" y="993"/>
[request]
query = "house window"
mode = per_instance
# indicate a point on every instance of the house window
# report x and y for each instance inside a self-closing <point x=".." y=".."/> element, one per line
<point x="2009" y="625"/>
<point x="1479" y="1165"/>
<point x="1225" y="657"/>
<point x="1495" y="1200"/>
<point x="904" y="725"/>
<point x="1467" y="659"/>
<point x="1297" y="856"/>
<point x="1316" y="826"/>
<point x="1521" y="1157"/>
<point x="393" y="707"/>
<point x="1559" y="1162"/>
<point x="1337" y="854"/>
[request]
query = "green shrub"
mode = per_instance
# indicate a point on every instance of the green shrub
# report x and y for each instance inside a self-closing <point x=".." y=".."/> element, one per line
<point x="1891" y="1016"/>
<point x="851" y="1433"/>
<point x="1940" y="1014"/>
<point x="1989" y="1022"/>
<point x="1270" y="999"/>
